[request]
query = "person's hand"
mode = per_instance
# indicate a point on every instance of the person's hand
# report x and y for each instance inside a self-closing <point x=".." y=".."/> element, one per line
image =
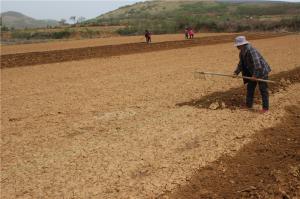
<point x="254" y="78"/>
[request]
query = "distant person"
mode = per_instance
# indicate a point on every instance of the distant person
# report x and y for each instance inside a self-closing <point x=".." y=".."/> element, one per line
<point x="148" y="36"/>
<point x="191" y="33"/>
<point x="252" y="64"/>
<point x="186" y="33"/>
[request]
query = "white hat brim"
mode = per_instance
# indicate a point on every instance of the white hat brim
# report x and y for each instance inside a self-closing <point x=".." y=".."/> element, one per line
<point x="242" y="43"/>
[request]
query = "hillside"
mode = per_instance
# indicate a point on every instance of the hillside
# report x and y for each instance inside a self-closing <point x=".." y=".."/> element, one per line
<point x="19" y="21"/>
<point x="164" y="16"/>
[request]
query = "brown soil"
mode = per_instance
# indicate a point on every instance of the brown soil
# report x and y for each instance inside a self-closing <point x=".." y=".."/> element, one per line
<point x="35" y="58"/>
<point x="234" y="98"/>
<point x="268" y="167"/>
<point x="110" y="127"/>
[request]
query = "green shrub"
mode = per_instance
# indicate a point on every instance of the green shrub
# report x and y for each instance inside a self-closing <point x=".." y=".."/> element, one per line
<point x="4" y="28"/>
<point x="61" y="34"/>
<point x="128" y="31"/>
<point x="88" y="33"/>
<point x="292" y="24"/>
<point x="21" y="34"/>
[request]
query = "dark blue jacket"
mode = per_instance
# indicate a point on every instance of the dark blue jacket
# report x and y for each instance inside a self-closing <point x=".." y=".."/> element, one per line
<point x="252" y="64"/>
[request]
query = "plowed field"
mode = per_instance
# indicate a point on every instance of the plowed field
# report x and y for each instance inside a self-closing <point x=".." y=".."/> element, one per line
<point x="34" y="58"/>
<point x="39" y="47"/>
<point x="138" y="125"/>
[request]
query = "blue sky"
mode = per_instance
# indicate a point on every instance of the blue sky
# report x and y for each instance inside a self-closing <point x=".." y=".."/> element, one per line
<point x="55" y="9"/>
<point x="45" y="9"/>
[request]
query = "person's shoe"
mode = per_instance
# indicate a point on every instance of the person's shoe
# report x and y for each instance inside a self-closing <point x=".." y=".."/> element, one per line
<point x="264" y="110"/>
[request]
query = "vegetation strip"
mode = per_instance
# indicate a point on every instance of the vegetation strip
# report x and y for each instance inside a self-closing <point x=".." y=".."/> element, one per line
<point x="234" y="97"/>
<point x="55" y="56"/>
<point x="216" y="16"/>
<point x="268" y="167"/>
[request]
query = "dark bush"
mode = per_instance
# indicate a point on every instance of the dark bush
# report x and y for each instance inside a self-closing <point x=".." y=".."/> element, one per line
<point x="41" y="35"/>
<point x="21" y="35"/>
<point x="61" y="34"/>
<point x="128" y="31"/>
<point x="4" y="28"/>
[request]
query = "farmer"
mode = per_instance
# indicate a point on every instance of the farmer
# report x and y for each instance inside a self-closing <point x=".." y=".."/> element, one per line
<point x="191" y="33"/>
<point x="148" y="36"/>
<point x="186" y="33"/>
<point x="252" y="64"/>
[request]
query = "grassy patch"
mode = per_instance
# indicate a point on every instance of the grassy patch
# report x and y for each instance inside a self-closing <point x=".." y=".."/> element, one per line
<point x="172" y="17"/>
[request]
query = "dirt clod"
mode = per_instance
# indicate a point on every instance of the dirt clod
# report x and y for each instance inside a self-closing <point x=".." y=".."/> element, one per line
<point x="214" y="106"/>
<point x="223" y="105"/>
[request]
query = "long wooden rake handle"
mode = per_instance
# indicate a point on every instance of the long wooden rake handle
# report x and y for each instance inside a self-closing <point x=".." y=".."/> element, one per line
<point x="225" y="75"/>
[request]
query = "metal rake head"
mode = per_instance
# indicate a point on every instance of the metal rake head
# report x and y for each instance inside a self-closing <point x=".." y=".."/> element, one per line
<point x="199" y="75"/>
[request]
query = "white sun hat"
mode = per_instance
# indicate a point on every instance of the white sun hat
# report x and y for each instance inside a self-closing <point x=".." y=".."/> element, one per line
<point x="240" y="40"/>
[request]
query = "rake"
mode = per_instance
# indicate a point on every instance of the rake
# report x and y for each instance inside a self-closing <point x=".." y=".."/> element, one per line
<point x="202" y="75"/>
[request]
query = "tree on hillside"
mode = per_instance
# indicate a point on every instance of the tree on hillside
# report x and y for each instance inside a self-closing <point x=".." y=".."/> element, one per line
<point x="73" y="19"/>
<point x="80" y="19"/>
<point x="62" y="22"/>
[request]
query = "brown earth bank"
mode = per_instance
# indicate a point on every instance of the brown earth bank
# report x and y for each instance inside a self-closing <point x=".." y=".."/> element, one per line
<point x="234" y="97"/>
<point x="35" y="58"/>
<point x="267" y="167"/>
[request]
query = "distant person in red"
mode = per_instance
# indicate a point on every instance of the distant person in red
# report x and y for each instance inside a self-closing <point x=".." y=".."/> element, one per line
<point x="191" y="33"/>
<point x="148" y="36"/>
<point x="186" y="33"/>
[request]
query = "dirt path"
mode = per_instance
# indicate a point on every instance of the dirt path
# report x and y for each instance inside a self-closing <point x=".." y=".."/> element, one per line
<point x="35" y="58"/>
<point x="267" y="167"/>
<point x="111" y="127"/>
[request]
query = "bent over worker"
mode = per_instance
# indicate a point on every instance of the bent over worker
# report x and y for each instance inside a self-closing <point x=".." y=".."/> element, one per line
<point x="148" y="36"/>
<point x="252" y="64"/>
